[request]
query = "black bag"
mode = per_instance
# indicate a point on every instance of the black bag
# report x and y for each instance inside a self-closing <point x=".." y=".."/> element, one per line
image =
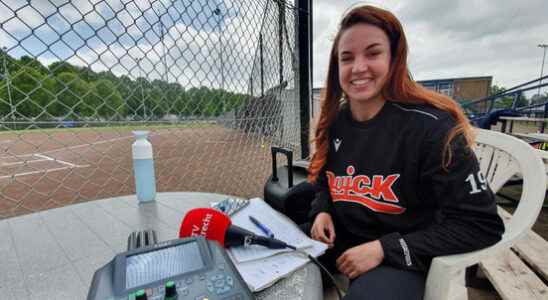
<point x="287" y="189"/>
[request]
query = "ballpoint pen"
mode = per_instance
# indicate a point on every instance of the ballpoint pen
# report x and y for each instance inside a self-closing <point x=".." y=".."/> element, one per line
<point x="262" y="227"/>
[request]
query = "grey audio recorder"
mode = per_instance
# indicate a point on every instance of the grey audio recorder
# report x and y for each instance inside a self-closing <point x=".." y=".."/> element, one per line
<point x="190" y="268"/>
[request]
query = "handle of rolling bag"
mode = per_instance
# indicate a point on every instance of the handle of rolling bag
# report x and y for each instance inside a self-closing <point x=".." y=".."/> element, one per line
<point x="289" y="155"/>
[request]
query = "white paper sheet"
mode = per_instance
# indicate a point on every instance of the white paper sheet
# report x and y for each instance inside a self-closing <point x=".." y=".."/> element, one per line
<point x="282" y="227"/>
<point x="262" y="273"/>
<point x="261" y="267"/>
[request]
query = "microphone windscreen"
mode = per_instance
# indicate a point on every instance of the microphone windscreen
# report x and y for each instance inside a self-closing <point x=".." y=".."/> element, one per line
<point x="207" y="222"/>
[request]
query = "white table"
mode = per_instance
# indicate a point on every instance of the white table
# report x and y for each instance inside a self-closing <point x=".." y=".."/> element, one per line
<point x="540" y="137"/>
<point x="543" y="137"/>
<point x="53" y="254"/>
<point x="504" y="120"/>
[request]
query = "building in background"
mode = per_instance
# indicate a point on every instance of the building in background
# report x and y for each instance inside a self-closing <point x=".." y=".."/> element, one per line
<point x="462" y="89"/>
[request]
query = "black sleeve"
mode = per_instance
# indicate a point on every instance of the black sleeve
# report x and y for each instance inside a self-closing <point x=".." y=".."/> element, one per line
<point x="466" y="216"/>
<point x="322" y="202"/>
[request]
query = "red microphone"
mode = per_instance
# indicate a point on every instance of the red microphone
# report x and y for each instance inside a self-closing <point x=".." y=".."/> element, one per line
<point x="207" y="222"/>
<point x="215" y="225"/>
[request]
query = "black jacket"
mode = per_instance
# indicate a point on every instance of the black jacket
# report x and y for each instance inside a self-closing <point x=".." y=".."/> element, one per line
<point x="384" y="180"/>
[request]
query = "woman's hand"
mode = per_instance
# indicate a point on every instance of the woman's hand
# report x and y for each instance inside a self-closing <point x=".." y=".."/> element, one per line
<point x="360" y="259"/>
<point x="323" y="229"/>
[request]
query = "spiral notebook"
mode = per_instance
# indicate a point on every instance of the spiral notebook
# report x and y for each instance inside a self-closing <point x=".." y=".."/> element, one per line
<point x="261" y="267"/>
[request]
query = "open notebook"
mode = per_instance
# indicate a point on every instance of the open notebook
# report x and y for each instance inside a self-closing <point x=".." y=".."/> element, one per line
<point x="261" y="267"/>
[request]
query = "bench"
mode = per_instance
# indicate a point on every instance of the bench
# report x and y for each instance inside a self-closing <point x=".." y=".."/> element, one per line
<point x="522" y="271"/>
<point x="534" y="136"/>
<point x="541" y="121"/>
<point x="517" y="179"/>
<point x="537" y="140"/>
<point x="543" y="154"/>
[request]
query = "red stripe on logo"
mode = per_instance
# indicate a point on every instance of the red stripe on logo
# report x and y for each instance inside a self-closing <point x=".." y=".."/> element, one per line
<point x="370" y="203"/>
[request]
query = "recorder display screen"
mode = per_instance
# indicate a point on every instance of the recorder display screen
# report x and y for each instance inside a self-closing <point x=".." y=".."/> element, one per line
<point x="148" y="267"/>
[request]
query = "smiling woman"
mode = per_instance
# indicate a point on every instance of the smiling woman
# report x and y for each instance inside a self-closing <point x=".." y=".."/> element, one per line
<point x="364" y="62"/>
<point x="398" y="181"/>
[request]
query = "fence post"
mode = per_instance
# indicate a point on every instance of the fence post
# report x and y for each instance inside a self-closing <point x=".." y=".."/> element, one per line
<point x="491" y="105"/>
<point x="7" y="78"/>
<point x="544" y="115"/>
<point x="261" y="63"/>
<point x="281" y="24"/>
<point x="304" y="8"/>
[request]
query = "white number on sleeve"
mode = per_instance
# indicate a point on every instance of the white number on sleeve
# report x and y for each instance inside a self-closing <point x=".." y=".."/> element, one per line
<point x="474" y="183"/>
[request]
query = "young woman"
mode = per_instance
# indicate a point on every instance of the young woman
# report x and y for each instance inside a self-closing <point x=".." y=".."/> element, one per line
<point x="399" y="183"/>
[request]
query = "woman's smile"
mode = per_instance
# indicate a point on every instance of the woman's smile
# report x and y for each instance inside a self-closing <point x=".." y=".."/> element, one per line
<point x="364" y="62"/>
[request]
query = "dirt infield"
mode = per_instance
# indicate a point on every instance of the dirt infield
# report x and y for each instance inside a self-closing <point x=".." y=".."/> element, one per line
<point x="52" y="168"/>
<point x="46" y="169"/>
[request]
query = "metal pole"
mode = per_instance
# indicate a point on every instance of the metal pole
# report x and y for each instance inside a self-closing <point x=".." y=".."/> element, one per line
<point x="6" y="75"/>
<point x="304" y="8"/>
<point x="261" y="62"/>
<point x="544" y="46"/>
<point x="141" y="88"/>
<point x="281" y="22"/>
<point x="163" y="51"/>
<point x="217" y="12"/>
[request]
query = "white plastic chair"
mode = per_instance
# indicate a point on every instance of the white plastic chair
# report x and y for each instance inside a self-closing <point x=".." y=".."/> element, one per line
<point x="501" y="156"/>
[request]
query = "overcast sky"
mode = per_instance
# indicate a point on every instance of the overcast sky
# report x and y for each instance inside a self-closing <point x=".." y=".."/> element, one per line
<point x="448" y="39"/>
<point x="123" y="36"/>
<point x="461" y="38"/>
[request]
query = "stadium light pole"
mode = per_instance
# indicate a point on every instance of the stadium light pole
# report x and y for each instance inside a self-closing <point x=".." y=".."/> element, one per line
<point x="6" y="75"/>
<point x="544" y="46"/>
<point x="217" y="12"/>
<point x="141" y="88"/>
<point x="162" y="33"/>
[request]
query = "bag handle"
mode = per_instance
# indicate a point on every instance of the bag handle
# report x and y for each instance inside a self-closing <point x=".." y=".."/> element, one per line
<point x="289" y="155"/>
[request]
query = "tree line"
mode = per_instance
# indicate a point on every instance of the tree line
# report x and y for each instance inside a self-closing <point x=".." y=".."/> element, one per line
<point x="61" y="91"/>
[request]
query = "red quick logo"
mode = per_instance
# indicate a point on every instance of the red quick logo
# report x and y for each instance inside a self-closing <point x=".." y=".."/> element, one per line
<point x="366" y="191"/>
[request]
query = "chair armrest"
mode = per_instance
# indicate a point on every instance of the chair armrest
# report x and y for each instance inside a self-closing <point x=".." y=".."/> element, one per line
<point x="461" y="261"/>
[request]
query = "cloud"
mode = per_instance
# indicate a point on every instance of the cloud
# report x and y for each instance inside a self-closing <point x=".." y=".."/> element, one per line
<point x="326" y="18"/>
<point x="470" y="20"/>
<point x="6" y="40"/>
<point x="446" y="39"/>
<point x="455" y="38"/>
<point x="192" y="53"/>
<point x="117" y="36"/>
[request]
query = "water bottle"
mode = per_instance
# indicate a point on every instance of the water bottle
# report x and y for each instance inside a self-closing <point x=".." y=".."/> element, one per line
<point x="143" y="167"/>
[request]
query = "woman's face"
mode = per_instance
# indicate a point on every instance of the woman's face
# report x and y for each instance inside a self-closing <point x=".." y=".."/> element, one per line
<point x="364" y="61"/>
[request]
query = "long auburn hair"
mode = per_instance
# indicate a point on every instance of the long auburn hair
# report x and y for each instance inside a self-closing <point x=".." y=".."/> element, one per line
<point x="399" y="86"/>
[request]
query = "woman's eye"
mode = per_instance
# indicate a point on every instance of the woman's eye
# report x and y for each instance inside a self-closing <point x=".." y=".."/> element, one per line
<point x="373" y="54"/>
<point x="346" y="58"/>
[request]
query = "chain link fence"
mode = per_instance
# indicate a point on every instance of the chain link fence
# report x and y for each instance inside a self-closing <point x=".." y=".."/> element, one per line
<point x="216" y="83"/>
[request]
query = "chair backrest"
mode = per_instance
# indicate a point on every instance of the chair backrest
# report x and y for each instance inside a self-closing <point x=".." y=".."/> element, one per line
<point x="502" y="156"/>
